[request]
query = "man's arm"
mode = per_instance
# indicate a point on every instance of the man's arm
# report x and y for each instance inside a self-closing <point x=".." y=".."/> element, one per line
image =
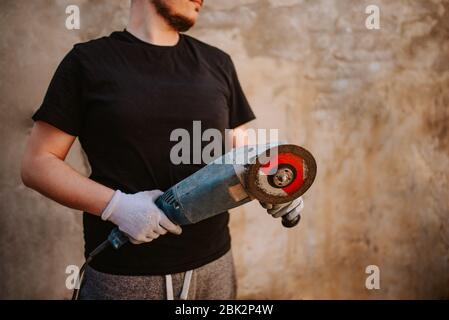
<point x="44" y="170"/>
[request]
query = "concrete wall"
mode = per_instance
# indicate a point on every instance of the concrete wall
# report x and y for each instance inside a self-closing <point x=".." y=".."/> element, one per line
<point x="373" y="106"/>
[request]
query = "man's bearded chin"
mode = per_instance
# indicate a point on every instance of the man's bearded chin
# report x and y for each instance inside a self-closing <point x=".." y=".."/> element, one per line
<point x="176" y="21"/>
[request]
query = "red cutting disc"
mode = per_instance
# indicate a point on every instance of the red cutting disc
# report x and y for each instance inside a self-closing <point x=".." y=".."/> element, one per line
<point x="294" y="162"/>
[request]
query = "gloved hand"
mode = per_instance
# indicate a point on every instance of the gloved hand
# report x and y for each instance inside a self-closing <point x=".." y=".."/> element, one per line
<point x="138" y="216"/>
<point x="290" y="209"/>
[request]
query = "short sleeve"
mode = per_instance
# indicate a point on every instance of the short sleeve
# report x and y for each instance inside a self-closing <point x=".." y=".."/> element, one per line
<point x="63" y="105"/>
<point x="239" y="108"/>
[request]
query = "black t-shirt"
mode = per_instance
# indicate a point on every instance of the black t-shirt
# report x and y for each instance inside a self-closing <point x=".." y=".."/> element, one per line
<point x="123" y="97"/>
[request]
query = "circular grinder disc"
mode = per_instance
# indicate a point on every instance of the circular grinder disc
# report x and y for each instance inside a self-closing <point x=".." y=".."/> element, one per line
<point x="281" y="175"/>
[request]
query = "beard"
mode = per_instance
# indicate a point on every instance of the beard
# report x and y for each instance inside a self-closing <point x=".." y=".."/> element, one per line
<point x="178" y="22"/>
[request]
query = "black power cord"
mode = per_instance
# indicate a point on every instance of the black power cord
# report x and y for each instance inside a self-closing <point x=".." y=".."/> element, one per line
<point x="97" y="250"/>
<point x="116" y="239"/>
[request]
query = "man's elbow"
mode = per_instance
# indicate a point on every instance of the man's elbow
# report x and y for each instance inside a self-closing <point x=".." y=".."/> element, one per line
<point x="24" y="175"/>
<point x="26" y="172"/>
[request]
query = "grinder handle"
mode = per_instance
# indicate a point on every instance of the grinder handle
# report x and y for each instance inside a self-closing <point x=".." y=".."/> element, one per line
<point x="290" y="221"/>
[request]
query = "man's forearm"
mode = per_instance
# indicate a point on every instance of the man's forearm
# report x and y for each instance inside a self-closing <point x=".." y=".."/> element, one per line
<point x="55" y="179"/>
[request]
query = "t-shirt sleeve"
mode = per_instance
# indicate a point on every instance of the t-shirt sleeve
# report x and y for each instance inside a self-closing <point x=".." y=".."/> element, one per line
<point x="63" y="105"/>
<point x="240" y="111"/>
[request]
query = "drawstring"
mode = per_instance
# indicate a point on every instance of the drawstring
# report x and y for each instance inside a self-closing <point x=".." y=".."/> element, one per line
<point x="185" y="286"/>
<point x="169" y="286"/>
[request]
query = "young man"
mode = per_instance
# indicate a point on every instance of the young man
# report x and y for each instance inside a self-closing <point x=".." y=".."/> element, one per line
<point x="123" y="95"/>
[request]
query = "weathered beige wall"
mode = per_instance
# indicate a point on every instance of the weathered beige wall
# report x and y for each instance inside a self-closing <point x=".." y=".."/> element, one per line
<point x="373" y="106"/>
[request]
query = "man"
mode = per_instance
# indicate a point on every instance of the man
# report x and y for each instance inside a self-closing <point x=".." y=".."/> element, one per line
<point x="122" y="96"/>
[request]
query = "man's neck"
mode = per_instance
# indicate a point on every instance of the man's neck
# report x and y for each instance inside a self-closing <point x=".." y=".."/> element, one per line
<point x="146" y="24"/>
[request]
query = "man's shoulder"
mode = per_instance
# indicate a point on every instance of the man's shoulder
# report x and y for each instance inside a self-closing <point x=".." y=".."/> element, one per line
<point x="207" y="48"/>
<point x="92" y="45"/>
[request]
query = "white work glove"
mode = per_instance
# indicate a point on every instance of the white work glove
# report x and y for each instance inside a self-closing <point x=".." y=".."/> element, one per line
<point x="138" y="217"/>
<point x="290" y="209"/>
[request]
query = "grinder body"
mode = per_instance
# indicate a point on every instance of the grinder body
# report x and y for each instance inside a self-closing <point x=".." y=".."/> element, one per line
<point x="202" y="195"/>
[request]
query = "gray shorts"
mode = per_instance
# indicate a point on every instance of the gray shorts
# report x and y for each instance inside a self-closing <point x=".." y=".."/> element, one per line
<point x="213" y="281"/>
